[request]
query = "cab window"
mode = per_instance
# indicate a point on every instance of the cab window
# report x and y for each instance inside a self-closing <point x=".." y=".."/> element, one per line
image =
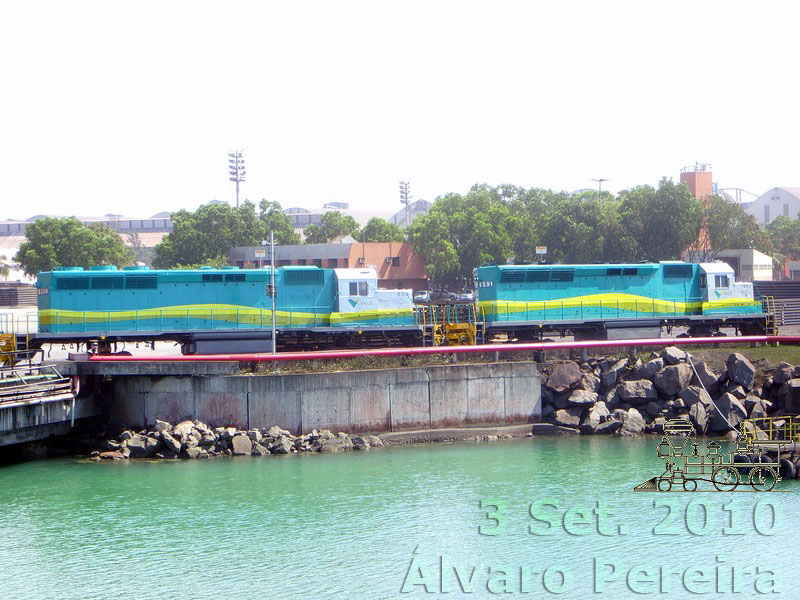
<point x="363" y="289"/>
<point x="354" y="288"/>
<point x="703" y="280"/>
<point x="721" y="281"/>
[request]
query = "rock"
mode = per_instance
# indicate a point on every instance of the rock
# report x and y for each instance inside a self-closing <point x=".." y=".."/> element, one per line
<point x="165" y="455"/>
<point x="225" y="433"/>
<point x="255" y="435"/>
<point x="594" y="416"/>
<point x="141" y="446"/>
<point x="326" y="434"/>
<point x="783" y="373"/>
<point x="582" y="398"/>
<point x="374" y="441"/>
<point x="548" y="410"/>
<point x="649" y="369"/>
<point x="670" y="380"/>
<point x="632" y="424"/>
<point x="760" y="409"/>
<point x="740" y="370"/>
<point x="241" y="445"/>
<point x="658" y="425"/>
<point x="359" y="443"/>
<point x="195" y="452"/>
<point x="336" y="444"/>
<point x="568" y="417"/>
<point x="698" y="415"/>
<point x="611" y="376"/>
<point x="561" y="400"/>
<point x="547" y="429"/>
<point x="111" y="445"/>
<point x="731" y="408"/>
<point x="693" y="394"/>
<point x="170" y="443"/>
<point x="564" y="376"/>
<point x="191" y="440"/>
<point x="589" y="382"/>
<point x="184" y="428"/>
<point x="608" y="427"/>
<point x="112" y="455"/>
<point x="282" y="445"/>
<point x="162" y="426"/>
<point x="737" y="391"/>
<point x="789" y="396"/>
<point x="637" y="392"/>
<point x="202" y="427"/>
<point x="259" y="450"/>
<point x="207" y="440"/>
<point x="125" y="435"/>
<point x="705" y="376"/>
<point x="673" y="355"/>
<point x="277" y="432"/>
<point x="652" y="409"/>
<point x="547" y="395"/>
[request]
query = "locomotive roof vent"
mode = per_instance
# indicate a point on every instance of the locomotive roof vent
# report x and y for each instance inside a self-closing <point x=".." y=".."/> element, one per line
<point x="63" y="269"/>
<point x="103" y="268"/>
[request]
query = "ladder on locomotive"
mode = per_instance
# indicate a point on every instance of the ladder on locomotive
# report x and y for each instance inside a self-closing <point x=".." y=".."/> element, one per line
<point x="769" y="307"/>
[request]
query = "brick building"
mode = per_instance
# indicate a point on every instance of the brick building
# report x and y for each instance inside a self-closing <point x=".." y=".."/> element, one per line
<point x="396" y="263"/>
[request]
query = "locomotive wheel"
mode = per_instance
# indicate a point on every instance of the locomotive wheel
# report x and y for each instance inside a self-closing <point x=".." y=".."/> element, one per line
<point x="664" y="488"/>
<point x="763" y="479"/>
<point x="725" y="479"/>
<point x="689" y="485"/>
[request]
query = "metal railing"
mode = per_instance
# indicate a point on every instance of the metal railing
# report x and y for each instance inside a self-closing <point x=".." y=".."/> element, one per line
<point x="773" y="429"/>
<point x="32" y="382"/>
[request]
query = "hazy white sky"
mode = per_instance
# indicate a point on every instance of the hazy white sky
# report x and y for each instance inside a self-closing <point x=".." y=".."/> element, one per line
<point x="131" y="107"/>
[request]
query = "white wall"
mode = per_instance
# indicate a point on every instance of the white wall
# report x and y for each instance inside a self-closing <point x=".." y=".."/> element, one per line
<point x="774" y="203"/>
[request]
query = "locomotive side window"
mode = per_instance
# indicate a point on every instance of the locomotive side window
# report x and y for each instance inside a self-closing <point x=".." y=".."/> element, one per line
<point x="703" y="280"/>
<point x="363" y="289"/>
<point x="354" y="288"/>
<point x="721" y="281"/>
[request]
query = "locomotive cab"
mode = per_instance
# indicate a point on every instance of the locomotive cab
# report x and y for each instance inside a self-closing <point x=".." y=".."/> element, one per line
<point x="719" y="289"/>
<point x="357" y="292"/>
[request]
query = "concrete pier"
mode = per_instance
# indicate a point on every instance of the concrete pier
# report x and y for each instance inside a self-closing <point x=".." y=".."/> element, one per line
<point x="354" y="401"/>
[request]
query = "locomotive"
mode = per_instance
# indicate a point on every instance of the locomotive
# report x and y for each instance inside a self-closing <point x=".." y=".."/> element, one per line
<point x="230" y="309"/>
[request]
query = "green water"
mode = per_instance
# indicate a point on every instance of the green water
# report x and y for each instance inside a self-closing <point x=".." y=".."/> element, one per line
<point x="347" y="526"/>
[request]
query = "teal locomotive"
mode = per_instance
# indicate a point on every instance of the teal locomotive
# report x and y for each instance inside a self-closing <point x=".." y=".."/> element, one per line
<point x="615" y="300"/>
<point x="221" y="310"/>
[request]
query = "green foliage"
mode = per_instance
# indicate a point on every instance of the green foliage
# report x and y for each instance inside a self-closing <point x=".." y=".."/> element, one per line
<point x="663" y="222"/>
<point x="66" y="242"/>
<point x="206" y="235"/>
<point x="784" y="234"/>
<point x="332" y="224"/>
<point x="462" y="232"/>
<point x="727" y="226"/>
<point x="380" y="230"/>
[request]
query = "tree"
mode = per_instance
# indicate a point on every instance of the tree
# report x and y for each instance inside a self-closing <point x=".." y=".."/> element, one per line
<point x="662" y="221"/>
<point x="381" y="230"/>
<point x="784" y="234"/>
<point x="5" y="268"/>
<point x="332" y="224"/>
<point x="462" y="232"/>
<point x="274" y="219"/>
<point x="727" y="226"/>
<point x="66" y="242"/>
<point x="209" y="233"/>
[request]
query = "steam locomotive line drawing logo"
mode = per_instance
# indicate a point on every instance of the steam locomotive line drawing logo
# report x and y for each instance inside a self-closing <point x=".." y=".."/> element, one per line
<point x="686" y="467"/>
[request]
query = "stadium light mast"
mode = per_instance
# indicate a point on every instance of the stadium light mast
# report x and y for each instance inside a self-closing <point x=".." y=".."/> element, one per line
<point x="599" y="188"/>
<point x="405" y="198"/>
<point x="236" y="172"/>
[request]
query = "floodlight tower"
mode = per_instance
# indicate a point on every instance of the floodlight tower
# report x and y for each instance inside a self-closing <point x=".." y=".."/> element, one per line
<point x="236" y="170"/>
<point x="405" y="198"/>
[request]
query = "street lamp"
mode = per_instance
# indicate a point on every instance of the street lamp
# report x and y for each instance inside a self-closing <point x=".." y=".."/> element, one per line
<point x="405" y="198"/>
<point x="599" y="188"/>
<point x="236" y="170"/>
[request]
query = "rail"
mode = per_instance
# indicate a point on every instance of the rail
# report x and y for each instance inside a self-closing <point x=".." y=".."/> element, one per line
<point x="487" y="348"/>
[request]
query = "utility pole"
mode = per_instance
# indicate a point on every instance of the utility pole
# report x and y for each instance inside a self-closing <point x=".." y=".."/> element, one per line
<point x="599" y="189"/>
<point x="405" y="198"/>
<point x="236" y="170"/>
<point x="272" y="286"/>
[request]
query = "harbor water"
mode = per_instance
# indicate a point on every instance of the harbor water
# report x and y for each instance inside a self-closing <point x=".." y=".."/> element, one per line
<point x="543" y="517"/>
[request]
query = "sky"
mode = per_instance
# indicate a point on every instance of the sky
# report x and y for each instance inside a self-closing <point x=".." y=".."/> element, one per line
<point x="132" y="107"/>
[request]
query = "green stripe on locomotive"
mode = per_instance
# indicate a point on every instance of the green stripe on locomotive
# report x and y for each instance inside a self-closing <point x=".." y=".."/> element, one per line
<point x="103" y="299"/>
<point x="515" y="293"/>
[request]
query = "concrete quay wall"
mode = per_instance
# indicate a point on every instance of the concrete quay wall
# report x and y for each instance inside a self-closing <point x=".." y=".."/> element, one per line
<point x="353" y="401"/>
